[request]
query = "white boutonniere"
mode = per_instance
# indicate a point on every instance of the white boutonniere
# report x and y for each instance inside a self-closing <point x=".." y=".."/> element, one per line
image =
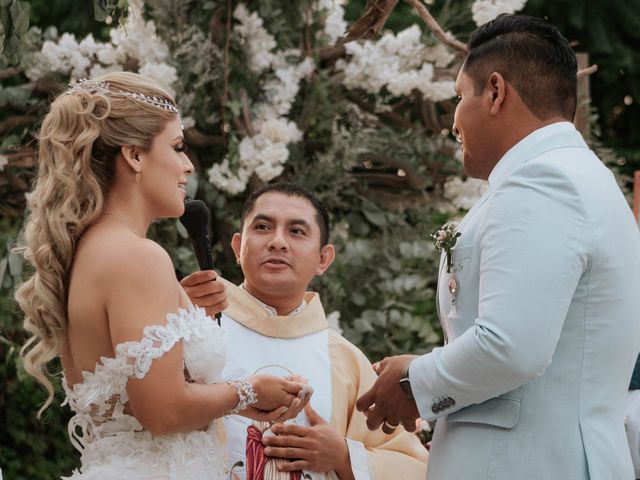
<point x="445" y="239"/>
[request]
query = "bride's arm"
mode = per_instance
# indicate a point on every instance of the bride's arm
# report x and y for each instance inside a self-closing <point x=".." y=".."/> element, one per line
<point x="142" y="291"/>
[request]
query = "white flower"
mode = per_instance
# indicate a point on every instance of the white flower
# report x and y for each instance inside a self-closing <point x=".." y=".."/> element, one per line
<point x="439" y="54"/>
<point x="333" y="319"/>
<point x="334" y="22"/>
<point x="162" y="73"/>
<point x="486" y="10"/>
<point x="98" y="70"/>
<point x="188" y="122"/>
<point x="280" y="130"/>
<point x="222" y="177"/>
<point x="463" y="194"/>
<point x="267" y="172"/>
<point x="3" y="161"/>
<point x="68" y="43"/>
<point x="437" y="91"/>
<point x="266" y="152"/>
<point x="400" y="63"/>
<point x="30" y="198"/>
<point x="106" y="54"/>
<point x="259" y="42"/>
<point x="137" y="40"/>
<point x="88" y="45"/>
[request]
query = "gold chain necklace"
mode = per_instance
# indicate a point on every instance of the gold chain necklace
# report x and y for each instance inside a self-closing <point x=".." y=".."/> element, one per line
<point x="124" y="220"/>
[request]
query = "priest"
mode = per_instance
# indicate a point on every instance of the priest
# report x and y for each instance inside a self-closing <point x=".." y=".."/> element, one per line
<point x="274" y="325"/>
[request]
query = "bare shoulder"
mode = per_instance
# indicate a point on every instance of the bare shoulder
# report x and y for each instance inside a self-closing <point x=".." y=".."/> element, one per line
<point x="142" y="262"/>
<point x="144" y="253"/>
<point x="141" y="288"/>
<point x="118" y="258"/>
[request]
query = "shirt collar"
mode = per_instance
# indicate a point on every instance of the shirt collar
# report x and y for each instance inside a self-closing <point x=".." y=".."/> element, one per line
<point x="272" y="311"/>
<point x="524" y="150"/>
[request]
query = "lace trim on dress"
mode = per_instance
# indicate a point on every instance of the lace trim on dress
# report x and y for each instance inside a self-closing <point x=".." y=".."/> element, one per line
<point x="159" y="339"/>
<point x="100" y="398"/>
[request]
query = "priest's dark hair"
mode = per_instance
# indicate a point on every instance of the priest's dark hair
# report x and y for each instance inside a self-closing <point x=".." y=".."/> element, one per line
<point x="532" y="56"/>
<point x="292" y="190"/>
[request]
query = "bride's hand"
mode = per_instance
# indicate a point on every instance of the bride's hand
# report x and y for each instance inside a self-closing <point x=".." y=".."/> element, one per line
<point x="278" y="399"/>
<point x="281" y="414"/>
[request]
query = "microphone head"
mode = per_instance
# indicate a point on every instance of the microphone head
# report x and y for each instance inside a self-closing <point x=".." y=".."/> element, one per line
<point x="196" y="218"/>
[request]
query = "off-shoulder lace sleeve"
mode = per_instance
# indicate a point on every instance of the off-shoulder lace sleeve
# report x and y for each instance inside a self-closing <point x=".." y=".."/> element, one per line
<point x="159" y="339"/>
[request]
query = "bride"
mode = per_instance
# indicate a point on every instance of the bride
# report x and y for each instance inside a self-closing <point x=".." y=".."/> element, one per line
<point x="141" y="363"/>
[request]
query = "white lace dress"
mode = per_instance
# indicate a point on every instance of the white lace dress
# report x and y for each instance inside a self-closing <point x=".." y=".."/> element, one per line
<point x="112" y="443"/>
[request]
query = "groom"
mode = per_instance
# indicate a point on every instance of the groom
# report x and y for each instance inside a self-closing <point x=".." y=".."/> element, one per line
<point x="540" y="305"/>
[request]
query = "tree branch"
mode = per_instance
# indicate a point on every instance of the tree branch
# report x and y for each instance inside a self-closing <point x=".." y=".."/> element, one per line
<point x="16" y="121"/>
<point x="246" y="114"/>
<point x="392" y="116"/>
<point x="23" y="159"/>
<point x="588" y="70"/>
<point x="437" y="30"/>
<point x="195" y="137"/>
<point x="225" y="92"/>
<point x="332" y="53"/>
<point x="370" y="24"/>
<point x="412" y="177"/>
<point x="9" y="72"/>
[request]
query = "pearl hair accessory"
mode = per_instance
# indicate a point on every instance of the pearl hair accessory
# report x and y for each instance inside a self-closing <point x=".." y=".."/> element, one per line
<point x="97" y="86"/>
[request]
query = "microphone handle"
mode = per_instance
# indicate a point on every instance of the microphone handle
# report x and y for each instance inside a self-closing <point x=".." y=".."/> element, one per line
<point x="202" y="248"/>
<point x="203" y="253"/>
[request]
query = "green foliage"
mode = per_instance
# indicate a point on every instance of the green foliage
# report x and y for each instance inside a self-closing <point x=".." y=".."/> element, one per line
<point x="14" y="23"/>
<point x="107" y="10"/>
<point x="609" y="33"/>
<point x="30" y="449"/>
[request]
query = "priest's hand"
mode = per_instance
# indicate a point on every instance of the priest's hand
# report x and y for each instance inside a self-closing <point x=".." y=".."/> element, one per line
<point x="318" y="447"/>
<point x="385" y="403"/>
<point x="205" y="292"/>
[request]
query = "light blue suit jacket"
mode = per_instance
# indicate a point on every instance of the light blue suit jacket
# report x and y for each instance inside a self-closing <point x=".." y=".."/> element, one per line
<point x="546" y="325"/>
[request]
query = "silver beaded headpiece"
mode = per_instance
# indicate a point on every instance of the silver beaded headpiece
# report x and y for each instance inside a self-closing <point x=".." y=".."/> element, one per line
<point x="97" y="86"/>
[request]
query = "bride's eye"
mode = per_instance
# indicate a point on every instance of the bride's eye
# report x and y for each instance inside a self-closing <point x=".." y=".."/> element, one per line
<point x="180" y="148"/>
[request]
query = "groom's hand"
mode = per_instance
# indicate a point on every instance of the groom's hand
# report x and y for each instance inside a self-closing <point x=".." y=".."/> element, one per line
<point x="385" y="403"/>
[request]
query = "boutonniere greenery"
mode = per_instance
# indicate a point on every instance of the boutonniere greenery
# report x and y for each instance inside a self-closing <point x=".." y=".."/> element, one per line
<point x="445" y="239"/>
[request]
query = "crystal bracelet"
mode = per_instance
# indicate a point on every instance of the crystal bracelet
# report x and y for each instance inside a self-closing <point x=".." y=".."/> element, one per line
<point x="247" y="396"/>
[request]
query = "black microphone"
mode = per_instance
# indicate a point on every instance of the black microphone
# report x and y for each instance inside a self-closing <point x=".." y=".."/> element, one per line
<point x="195" y="220"/>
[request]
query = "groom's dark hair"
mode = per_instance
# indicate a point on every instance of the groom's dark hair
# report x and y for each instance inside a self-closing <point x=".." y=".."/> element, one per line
<point x="533" y="56"/>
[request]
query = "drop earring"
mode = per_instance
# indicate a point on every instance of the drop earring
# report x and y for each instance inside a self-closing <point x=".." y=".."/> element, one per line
<point x="138" y="177"/>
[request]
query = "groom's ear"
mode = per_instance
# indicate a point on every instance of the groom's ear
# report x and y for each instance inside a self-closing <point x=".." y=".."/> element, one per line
<point x="496" y="91"/>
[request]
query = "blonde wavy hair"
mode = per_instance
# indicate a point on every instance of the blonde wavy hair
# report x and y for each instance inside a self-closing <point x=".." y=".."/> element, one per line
<point x="80" y="139"/>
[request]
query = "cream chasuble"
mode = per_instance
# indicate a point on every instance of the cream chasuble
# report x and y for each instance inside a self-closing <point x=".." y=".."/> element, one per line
<point x="338" y="372"/>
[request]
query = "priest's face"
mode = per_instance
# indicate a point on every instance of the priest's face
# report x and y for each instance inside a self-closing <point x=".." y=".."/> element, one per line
<point x="280" y="250"/>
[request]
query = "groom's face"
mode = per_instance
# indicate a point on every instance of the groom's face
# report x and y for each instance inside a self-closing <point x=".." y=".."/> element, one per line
<point x="471" y="126"/>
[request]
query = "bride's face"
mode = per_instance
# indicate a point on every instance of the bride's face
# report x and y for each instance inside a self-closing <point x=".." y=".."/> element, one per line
<point x="165" y="169"/>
